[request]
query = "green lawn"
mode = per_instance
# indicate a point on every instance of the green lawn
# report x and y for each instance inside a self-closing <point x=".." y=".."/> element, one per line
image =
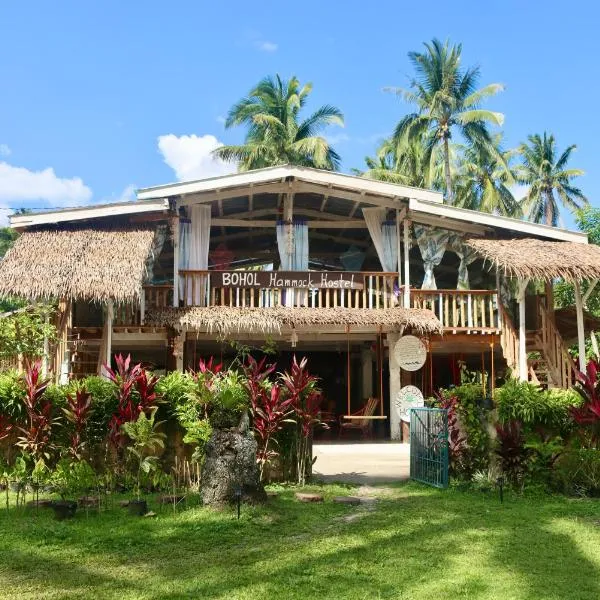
<point x="416" y="543"/>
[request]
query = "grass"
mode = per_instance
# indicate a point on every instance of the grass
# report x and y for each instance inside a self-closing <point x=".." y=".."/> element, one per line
<point x="417" y="543"/>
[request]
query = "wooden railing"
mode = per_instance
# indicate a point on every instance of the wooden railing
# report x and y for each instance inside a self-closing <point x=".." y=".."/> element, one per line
<point x="509" y="341"/>
<point x="380" y="291"/>
<point x="559" y="361"/>
<point x="155" y="296"/>
<point x="461" y="310"/>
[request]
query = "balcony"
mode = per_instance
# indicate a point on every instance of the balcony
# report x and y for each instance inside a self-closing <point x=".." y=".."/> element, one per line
<point x="460" y="311"/>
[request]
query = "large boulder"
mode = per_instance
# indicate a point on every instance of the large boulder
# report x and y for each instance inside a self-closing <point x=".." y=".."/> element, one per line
<point x="230" y="466"/>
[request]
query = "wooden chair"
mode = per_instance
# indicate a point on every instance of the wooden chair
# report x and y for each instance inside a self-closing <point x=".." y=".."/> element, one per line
<point x="365" y="426"/>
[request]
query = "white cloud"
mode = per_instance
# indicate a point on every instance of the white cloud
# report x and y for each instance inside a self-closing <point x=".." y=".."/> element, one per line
<point x="128" y="193"/>
<point x="190" y="156"/>
<point x="337" y="138"/>
<point x="4" y="150"/>
<point x="267" y="46"/>
<point x="221" y="119"/>
<point x="18" y="184"/>
<point x="4" y="212"/>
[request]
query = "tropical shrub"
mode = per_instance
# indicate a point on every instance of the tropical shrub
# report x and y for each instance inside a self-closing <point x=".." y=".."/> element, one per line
<point x="472" y="421"/>
<point x="12" y="396"/>
<point x="578" y="472"/>
<point x="457" y="440"/>
<point x="511" y="451"/>
<point x="587" y="414"/>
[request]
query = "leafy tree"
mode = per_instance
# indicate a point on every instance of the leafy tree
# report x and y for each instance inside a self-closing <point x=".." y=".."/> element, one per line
<point x="7" y="238"/>
<point x="404" y="164"/>
<point x="24" y="331"/>
<point x="275" y="134"/>
<point x="588" y="220"/>
<point x="447" y="100"/>
<point x="485" y="179"/>
<point x="545" y="172"/>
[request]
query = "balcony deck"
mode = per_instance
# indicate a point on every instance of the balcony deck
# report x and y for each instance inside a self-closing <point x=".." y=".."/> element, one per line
<point x="459" y="311"/>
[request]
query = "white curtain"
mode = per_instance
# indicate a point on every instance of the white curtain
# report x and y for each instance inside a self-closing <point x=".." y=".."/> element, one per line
<point x="292" y="243"/>
<point x="198" y="252"/>
<point x="384" y="236"/>
<point x="432" y="244"/>
<point x="467" y="256"/>
<point x="185" y="228"/>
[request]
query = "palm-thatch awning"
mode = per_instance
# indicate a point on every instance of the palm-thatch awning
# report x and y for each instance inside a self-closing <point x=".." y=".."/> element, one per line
<point x="77" y="264"/>
<point x="224" y="319"/>
<point x="538" y="259"/>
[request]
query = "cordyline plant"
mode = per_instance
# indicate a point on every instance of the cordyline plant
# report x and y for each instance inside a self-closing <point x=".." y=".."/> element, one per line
<point x="511" y="450"/>
<point x="270" y="408"/>
<point x="135" y="392"/>
<point x="205" y="379"/>
<point x="35" y="440"/>
<point x="306" y="405"/>
<point x="5" y="427"/>
<point x="588" y="414"/>
<point x="77" y="412"/>
<point x="457" y="440"/>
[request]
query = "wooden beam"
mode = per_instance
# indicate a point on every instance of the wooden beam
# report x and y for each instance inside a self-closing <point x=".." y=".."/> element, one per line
<point x="349" y="241"/>
<point x="264" y="224"/>
<point x="204" y="197"/>
<point x="298" y="210"/>
<point x="589" y="291"/>
<point x="406" y="239"/>
<point x="580" y="326"/>
<point x="523" y="371"/>
<point x="444" y="223"/>
<point x="175" y="229"/>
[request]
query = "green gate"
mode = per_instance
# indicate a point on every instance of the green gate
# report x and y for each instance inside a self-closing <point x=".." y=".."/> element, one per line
<point x="429" y="446"/>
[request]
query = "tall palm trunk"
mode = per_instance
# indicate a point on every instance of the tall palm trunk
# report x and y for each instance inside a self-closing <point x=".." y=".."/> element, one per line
<point x="549" y="209"/>
<point x="449" y="194"/>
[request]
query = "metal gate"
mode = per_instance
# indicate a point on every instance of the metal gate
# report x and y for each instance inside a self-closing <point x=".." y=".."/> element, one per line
<point x="429" y="446"/>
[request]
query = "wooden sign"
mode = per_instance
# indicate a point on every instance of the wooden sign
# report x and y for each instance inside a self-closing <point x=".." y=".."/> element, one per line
<point x="305" y="280"/>
<point x="410" y="353"/>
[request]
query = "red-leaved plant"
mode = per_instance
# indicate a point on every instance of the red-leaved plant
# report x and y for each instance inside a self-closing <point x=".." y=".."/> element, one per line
<point x="306" y="404"/>
<point x="77" y="412"/>
<point x="457" y="440"/>
<point x="588" y="414"/>
<point x="511" y="450"/>
<point x="5" y="427"/>
<point x="35" y="440"/>
<point x="135" y="393"/>
<point x="270" y="408"/>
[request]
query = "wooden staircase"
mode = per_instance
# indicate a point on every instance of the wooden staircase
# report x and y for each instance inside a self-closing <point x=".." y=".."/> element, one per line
<point x="85" y="346"/>
<point x="550" y="365"/>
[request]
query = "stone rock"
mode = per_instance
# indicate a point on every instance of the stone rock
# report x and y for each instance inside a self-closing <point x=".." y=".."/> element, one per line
<point x="41" y="503"/>
<point x="309" y="497"/>
<point x="123" y="503"/>
<point x="89" y="502"/>
<point x="351" y="500"/>
<point x="230" y="468"/>
<point x="171" y="499"/>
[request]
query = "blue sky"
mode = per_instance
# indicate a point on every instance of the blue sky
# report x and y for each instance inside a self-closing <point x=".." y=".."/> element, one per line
<point x="101" y="98"/>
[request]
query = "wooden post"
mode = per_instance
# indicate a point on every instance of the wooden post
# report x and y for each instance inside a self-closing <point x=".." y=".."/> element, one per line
<point x="399" y="255"/>
<point x="580" y="326"/>
<point x="406" y="263"/>
<point x="523" y="376"/>
<point x="175" y="228"/>
<point x="395" y="384"/>
<point x="110" y="312"/>
<point x="142" y="305"/>
<point x="46" y="350"/>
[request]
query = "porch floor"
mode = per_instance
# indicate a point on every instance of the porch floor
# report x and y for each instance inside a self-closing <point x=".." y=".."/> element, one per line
<point x="362" y="463"/>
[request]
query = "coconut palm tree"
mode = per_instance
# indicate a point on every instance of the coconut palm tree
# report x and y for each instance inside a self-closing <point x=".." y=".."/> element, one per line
<point x="447" y="100"/>
<point x="547" y="177"/>
<point x="485" y="179"/>
<point x="275" y="135"/>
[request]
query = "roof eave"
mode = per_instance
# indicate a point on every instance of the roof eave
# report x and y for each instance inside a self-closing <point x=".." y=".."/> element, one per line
<point x="87" y="212"/>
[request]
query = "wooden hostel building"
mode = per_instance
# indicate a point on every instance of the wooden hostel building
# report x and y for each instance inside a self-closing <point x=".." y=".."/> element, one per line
<point x="345" y="270"/>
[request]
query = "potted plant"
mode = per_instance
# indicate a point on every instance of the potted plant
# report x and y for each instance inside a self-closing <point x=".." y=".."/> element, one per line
<point x="145" y="441"/>
<point x="62" y="480"/>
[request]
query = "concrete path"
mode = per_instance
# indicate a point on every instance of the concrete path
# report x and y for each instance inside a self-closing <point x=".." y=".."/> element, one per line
<point x="362" y="463"/>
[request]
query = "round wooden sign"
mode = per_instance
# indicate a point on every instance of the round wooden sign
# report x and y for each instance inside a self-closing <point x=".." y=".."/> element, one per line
<point x="410" y="353"/>
<point x="408" y="397"/>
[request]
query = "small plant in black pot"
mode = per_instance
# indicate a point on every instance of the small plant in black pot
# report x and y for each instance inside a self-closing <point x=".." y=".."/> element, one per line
<point x="145" y="441"/>
<point x="70" y="478"/>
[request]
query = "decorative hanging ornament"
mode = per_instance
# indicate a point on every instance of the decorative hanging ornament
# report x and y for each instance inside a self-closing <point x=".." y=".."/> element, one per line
<point x="408" y="397"/>
<point x="410" y="353"/>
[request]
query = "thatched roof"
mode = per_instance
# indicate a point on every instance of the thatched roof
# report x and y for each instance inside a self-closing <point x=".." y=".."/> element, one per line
<point x="224" y="319"/>
<point x="537" y="259"/>
<point x="78" y="264"/>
